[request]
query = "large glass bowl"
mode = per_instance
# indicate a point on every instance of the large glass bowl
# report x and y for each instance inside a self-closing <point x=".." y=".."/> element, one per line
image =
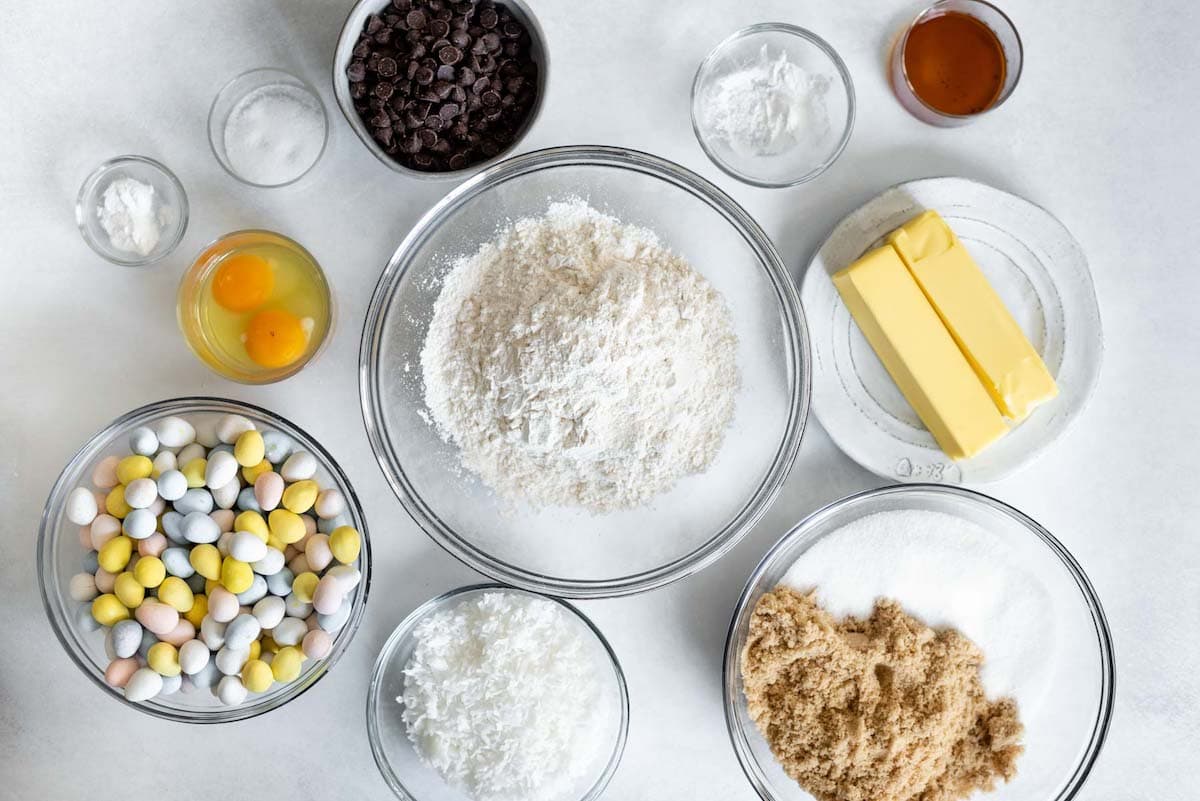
<point x="1064" y="729"/>
<point x="568" y="552"/>
<point x="410" y="778"/>
<point x="59" y="556"/>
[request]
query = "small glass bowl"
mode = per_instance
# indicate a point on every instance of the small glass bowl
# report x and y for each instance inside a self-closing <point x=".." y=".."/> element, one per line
<point x="195" y="332"/>
<point x="238" y="89"/>
<point x="997" y="22"/>
<point x="816" y="57"/>
<point x="1063" y="733"/>
<point x="59" y="556"/>
<point x="410" y="778"/>
<point x="173" y="208"/>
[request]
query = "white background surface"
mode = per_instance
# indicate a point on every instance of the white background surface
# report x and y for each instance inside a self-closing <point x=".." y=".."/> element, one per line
<point x="1101" y="131"/>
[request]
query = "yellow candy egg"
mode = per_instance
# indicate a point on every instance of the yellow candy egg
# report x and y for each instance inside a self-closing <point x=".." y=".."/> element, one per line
<point x="236" y="576"/>
<point x="253" y="522"/>
<point x="257" y="676"/>
<point x="255" y="649"/>
<point x="115" y="553"/>
<point x="108" y="610"/>
<point x="134" y="467"/>
<point x="206" y="560"/>
<point x="285" y="665"/>
<point x="249" y="448"/>
<point x="345" y="544"/>
<point x="175" y="592"/>
<point x="149" y="571"/>
<point x="285" y="525"/>
<point x="276" y="543"/>
<point x="269" y="645"/>
<point x="199" y="609"/>
<point x="114" y="502"/>
<point x="304" y="585"/>
<point x="128" y="590"/>
<point x="163" y="658"/>
<point x="193" y="471"/>
<point x="251" y="474"/>
<point x="300" y="496"/>
<point x="210" y="585"/>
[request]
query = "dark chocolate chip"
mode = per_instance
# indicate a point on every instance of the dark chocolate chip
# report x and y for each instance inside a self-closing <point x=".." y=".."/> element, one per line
<point x="450" y="55"/>
<point x="383" y="135"/>
<point x="449" y="111"/>
<point x="442" y="89"/>
<point x="439" y="28"/>
<point x="423" y="160"/>
<point x="490" y="98"/>
<point x="458" y="94"/>
<point x="460" y="39"/>
<point x="445" y="73"/>
<point x="362" y="49"/>
<point x="488" y="18"/>
<point x="480" y="86"/>
<point x="383" y="90"/>
<point x="374" y="24"/>
<point x="358" y="90"/>
<point x="512" y="30"/>
<point x="458" y="161"/>
<point x="428" y="138"/>
<point x="388" y="67"/>
<point x="381" y="120"/>
<point x="434" y="123"/>
<point x="424" y="76"/>
<point x="411" y="144"/>
<point x="384" y="37"/>
<point x="490" y="41"/>
<point x="356" y="72"/>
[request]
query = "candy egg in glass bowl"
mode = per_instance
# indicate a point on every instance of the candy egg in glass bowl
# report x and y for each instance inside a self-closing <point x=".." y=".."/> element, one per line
<point x="161" y="509"/>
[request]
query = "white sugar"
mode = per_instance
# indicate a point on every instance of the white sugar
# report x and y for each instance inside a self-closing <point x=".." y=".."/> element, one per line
<point x="274" y="134"/>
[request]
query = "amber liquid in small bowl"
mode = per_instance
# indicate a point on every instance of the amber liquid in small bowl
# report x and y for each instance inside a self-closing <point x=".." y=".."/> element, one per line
<point x="955" y="63"/>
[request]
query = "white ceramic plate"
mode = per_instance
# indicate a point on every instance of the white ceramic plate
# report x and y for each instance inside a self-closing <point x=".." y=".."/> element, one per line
<point x="1039" y="271"/>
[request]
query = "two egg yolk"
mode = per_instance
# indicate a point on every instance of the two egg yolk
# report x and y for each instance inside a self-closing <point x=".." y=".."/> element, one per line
<point x="274" y="338"/>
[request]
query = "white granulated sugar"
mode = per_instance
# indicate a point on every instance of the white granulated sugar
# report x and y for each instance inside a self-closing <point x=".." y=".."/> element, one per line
<point x="576" y="361"/>
<point x="502" y="698"/>
<point x="130" y="215"/>
<point x="274" y="134"/>
<point x="767" y="106"/>
<point x="944" y="571"/>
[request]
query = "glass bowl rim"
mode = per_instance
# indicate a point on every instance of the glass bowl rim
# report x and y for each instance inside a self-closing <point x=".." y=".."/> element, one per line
<point x="346" y="39"/>
<point x="93" y="178"/>
<point x="812" y="39"/>
<point x="803" y="529"/>
<point x="185" y="405"/>
<point x="797" y="344"/>
<point x="404" y="630"/>
<point x="212" y="110"/>
<point x="290" y="370"/>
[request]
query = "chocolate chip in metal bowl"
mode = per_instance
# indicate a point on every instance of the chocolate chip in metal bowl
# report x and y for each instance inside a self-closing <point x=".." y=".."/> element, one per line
<point x="438" y="87"/>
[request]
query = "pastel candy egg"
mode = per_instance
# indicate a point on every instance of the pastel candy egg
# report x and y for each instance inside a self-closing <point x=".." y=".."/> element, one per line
<point x="270" y="564"/>
<point x="317" y="552"/>
<point x="84" y="619"/>
<point x="257" y="676"/>
<point x="330" y="503"/>
<point x="304" y="585"/>
<point x="139" y="524"/>
<point x="206" y="430"/>
<point x="183" y="632"/>
<point x="134" y="467"/>
<point x="193" y="470"/>
<point x="231" y="691"/>
<point x="193" y="501"/>
<point x="241" y="631"/>
<point x="222" y="468"/>
<point x="144" y="684"/>
<point x="346" y="575"/>
<point x="174" y="432"/>
<point x="149" y="638"/>
<point x="334" y="621"/>
<point x="172" y="485"/>
<point x="286" y="526"/>
<point x="345" y="544"/>
<point x="289" y="631"/>
<point x="119" y="670"/>
<point x="107" y="609"/>
<point x="172" y="526"/>
<point x="247" y="547"/>
<point x="141" y="492"/>
<point x="249" y="449"/>
<point x="222" y="605"/>
<point x="299" y="466"/>
<point x="143" y="441"/>
<point x="257" y="589"/>
<point x="157" y="507"/>
<point x="230" y="660"/>
<point x="82" y="587"/>
<point x="296" y="607"/>
<point x="280" y="582"/>
<point x="115" y="554"/>
<point x="157" y="618"/>
<point x="268" y="490"/>
<point x="223" y="518"/>
<point x="226" y="496"/>
<point x="103" y="529"/>
<point x="85" y="537"/>
<point x="90" y="561"/>
<point x="105" y="581"/>
<point x="149" y="572"/>
<point x="198" y="584"/>
<point x="277" y="446"/>
<point x="164" y="462"/>
<point x="199" y="607"/>
<point x="251" y="474"/>
<point x="327" y="525"/>
<point x="206" y="560"/>
<point x="163" y="659"/>
<point x="236" y="575"/>
<point x="193" y="656"/>
<point x="328" y="595"/>
<point x="171" y="684"/>
<point x="246" y="502"/>
<point x="299" y="564"/>
<point x="114" y="502"/>
<point x="253" y="522"/>
<point x="285" y="666"/>
<point x="175" y="592"/>
<point x="212" y="632"/>
<point x="176" y="562"/>
<point x="104" y="474"/>
<point x="125" y="637"/>
<point x="223" y="542"/>
<point x="232" y="426"/>
<point x="317" y="644"/>
<point x="128" y="591"/>
<point x="199" y="528"/>
<point x="269" y="611"/>
<point x="300" y="496"/>
<point x="154" y="545"/>
<point x="81" y="506"/>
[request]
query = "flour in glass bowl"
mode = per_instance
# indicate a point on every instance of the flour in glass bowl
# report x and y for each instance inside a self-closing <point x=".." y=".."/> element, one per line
<point x="577" y="361"/>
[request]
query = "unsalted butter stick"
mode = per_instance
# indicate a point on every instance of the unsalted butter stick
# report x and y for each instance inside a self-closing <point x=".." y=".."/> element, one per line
<point x="919" y="354"/>
<point x="1011" y="370"/>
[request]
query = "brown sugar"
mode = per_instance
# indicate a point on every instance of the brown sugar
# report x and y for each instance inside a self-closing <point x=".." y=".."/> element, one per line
<point x="879" y="709"/>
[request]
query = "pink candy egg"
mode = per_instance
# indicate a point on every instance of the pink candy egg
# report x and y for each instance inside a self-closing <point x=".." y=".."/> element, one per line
<point x="224" y="519"/>
<point x="268" y="490"/>
<point x="316" y="550"/>
<point x="316" y="644"/>
<point x="85" y="537"/>
<point x="104" y="475"/>
<point x="159" y="618"/>
<point x="105" y="581"/>
<point x="299" y="565"/>
<point x="182" y="632"/>
<point x="153" y="545"/>
<point x="119" y="670"/>
<point x="327" y="597"/>
<point x="104" y="528"/>
<point x="222" y="605"/>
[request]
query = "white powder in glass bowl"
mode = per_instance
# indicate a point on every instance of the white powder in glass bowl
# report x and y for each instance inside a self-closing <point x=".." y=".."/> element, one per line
<point x="274" y="134"/>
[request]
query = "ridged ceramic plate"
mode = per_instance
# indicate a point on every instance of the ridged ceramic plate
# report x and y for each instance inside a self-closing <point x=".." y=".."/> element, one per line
<point x="1041" y="274"/>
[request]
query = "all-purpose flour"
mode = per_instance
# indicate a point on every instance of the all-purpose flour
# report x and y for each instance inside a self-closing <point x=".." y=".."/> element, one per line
<point x="575" y="360"/>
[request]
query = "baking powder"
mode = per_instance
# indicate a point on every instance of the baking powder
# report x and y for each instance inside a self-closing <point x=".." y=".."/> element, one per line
<point x="130" y="215"/>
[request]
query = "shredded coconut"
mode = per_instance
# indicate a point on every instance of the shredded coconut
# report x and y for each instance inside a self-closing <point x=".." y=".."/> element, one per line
<point x="502" y="698"/>
<point x="575" y="360"/>
<point x="130" y="215"/>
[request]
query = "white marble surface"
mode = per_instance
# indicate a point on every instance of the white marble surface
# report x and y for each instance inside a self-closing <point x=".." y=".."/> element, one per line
<point x="1101" y="131"/>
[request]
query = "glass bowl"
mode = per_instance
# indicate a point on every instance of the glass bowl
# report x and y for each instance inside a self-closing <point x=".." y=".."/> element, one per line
<point x="569" y="552"/>
<point x="59" y="556"/>
<point x="403" y="770"/>
<point x="241" y="87"/>
<point x="1067" y="722"/>
<point x="172" y="208"/>
<point x="197" y="333"/>
<point x="813" y="55"/>
<point x="348" y="37"/>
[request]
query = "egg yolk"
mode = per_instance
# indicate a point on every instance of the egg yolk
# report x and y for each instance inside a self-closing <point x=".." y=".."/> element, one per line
<point x="243" y="282"/>
<point x="275" y="338"/>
